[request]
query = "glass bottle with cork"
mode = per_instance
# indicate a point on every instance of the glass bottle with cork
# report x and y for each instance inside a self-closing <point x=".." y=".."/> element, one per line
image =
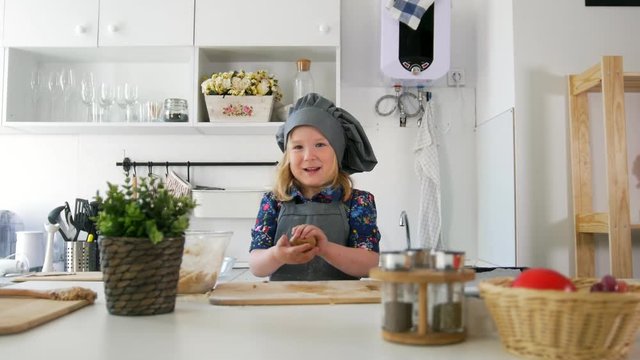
<point x="303" y="83"/>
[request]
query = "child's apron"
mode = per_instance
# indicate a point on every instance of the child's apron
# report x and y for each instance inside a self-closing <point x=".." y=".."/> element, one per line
<point x="332" y="219"/>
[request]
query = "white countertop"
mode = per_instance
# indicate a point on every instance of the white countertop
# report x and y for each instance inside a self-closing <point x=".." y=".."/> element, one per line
<point x="197" y="329"/>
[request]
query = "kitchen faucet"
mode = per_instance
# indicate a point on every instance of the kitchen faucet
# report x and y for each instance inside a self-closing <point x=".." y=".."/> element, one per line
<point x="404" y="221"/>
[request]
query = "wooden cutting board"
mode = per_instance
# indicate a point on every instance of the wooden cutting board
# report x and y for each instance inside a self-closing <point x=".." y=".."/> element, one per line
<point x="18" y="314"/>
<point x="79" y="276"/>
<point x="296" y="292"/>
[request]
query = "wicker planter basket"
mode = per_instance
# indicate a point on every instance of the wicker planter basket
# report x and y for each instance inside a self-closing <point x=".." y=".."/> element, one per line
<point x="548" y="324"/>
<point x="140" y="278"/>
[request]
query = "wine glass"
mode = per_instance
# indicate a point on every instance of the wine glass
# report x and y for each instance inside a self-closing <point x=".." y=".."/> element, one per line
<point x="88" y="94"/>
<point x="130" y="97"/>
<point x="120" y="100"/>
<point x="36" y="88"/>
<point x="67" y="87"/>
<point x="107" y="97"/>
<point x="52" y="85"/>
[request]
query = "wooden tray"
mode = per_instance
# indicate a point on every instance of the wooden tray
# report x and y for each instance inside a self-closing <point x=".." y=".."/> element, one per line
<point x="296" y="292"/>
<point x="19" y="314"/>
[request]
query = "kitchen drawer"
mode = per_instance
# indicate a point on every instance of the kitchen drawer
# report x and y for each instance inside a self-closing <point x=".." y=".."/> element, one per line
<point x="229" y="203"/>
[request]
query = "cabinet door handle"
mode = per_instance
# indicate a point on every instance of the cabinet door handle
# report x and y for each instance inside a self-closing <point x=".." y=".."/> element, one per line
<point x="324" y="28"/>
<point x="80" y="29"/>
<point x="112" y="28"/>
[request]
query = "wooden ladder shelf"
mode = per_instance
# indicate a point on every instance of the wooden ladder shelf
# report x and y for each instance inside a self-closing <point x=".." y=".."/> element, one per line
<point x="608" y="78"/>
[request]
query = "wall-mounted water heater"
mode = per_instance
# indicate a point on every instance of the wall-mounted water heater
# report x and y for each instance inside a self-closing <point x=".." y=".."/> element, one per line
<point x="420" y="55"/>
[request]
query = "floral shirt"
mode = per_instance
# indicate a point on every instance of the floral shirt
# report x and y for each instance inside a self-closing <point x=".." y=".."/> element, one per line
<point x="361" y="210"/>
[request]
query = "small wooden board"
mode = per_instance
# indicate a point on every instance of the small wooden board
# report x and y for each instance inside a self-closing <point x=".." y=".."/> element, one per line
<point x="18" y="314"/>
<point x="296" y="292"/>
<point x="79" y="276"/>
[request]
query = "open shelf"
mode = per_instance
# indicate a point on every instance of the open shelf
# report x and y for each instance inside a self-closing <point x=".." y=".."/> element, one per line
<point x="103" y="128"/>
<point x="158" y="72"/>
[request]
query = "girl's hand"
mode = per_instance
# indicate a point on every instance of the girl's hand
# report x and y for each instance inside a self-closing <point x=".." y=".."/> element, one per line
<point x="311" y="231"/>
<point x="287" y="254"/>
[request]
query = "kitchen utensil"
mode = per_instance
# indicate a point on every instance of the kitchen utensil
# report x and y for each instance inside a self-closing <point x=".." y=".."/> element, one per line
<point x="51" y="229"/>
<point x="84" y="212"/>
<point x="296" y="292"/>
<point x="66" y="294"/>
<point x="56" y="216"/>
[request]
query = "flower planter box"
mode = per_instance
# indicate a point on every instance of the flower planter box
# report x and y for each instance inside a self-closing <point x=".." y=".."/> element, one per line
<point x="230" y="108"/>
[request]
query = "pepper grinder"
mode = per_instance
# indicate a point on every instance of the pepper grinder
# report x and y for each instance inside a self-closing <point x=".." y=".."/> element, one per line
<point x="396" y="297"/>
<point x="447" y="311"/>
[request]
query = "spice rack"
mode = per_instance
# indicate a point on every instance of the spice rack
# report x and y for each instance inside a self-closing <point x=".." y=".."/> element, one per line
<point x="422" y="333"/>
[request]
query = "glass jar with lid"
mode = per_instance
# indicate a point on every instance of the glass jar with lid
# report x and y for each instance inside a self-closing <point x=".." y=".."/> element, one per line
<point x="175" y="110"/>
<point x="303" y="83"/>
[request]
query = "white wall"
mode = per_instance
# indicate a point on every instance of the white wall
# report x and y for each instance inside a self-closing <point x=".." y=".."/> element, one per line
<point x="494" y="49"/>
<point x="41" y="172"/>
<point x="553" y="39"/>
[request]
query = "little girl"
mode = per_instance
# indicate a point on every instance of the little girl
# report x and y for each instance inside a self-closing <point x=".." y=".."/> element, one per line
<point x="313" y="201"/>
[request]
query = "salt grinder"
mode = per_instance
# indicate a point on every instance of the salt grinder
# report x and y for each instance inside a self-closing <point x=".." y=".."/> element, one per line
<point x="397" y="297"/>
<point x="447" y="311"/>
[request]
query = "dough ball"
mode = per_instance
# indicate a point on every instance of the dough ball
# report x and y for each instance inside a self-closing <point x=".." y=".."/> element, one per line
<point x="299" y="241"/>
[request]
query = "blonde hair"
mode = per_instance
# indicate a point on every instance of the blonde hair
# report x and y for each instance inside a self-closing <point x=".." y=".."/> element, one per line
<point x="285" y="180"/>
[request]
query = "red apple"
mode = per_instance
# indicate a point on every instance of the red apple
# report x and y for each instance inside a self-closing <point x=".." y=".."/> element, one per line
<point x="543" y="279"/>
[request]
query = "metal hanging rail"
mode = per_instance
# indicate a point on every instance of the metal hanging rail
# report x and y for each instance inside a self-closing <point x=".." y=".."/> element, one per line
<point x="127" y="164"/>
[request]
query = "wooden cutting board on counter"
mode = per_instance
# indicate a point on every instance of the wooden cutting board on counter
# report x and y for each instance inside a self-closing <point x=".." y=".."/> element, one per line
<point x="60" y="276"/>
<point x="296" y="292"/>
<point x="18" y="314"/>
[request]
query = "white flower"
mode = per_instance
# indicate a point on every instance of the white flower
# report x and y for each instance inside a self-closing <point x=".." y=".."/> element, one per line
<point x="207" y="85"/>
<point x="241" y="83"/>
<point x="263" y="87"/>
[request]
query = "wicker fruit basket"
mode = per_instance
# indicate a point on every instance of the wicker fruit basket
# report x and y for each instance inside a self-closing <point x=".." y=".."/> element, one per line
<point x="549" y="324"/>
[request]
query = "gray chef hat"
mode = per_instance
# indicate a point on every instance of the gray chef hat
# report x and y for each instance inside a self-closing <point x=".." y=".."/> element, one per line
<point x="342" y="130"/>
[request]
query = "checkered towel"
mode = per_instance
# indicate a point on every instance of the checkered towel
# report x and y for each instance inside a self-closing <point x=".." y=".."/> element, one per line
<point x="409" y="11"/>
<point x="427" y="167"/>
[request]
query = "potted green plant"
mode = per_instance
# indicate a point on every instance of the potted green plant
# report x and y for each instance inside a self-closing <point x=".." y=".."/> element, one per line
<point x="141" y="237"/>
<point x="240" y="96"/>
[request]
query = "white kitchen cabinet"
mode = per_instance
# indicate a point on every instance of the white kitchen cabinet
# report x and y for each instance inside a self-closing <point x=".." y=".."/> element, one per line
<point x="146" y="23"/>
<point x="267" y="23"/>
<point x="46" y="23"/>
<point x="151" y="44"/>
<point x="271" y="35"/>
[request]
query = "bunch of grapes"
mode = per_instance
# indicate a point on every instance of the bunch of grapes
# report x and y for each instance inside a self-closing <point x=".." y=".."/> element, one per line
<point x="609" y="283"/>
